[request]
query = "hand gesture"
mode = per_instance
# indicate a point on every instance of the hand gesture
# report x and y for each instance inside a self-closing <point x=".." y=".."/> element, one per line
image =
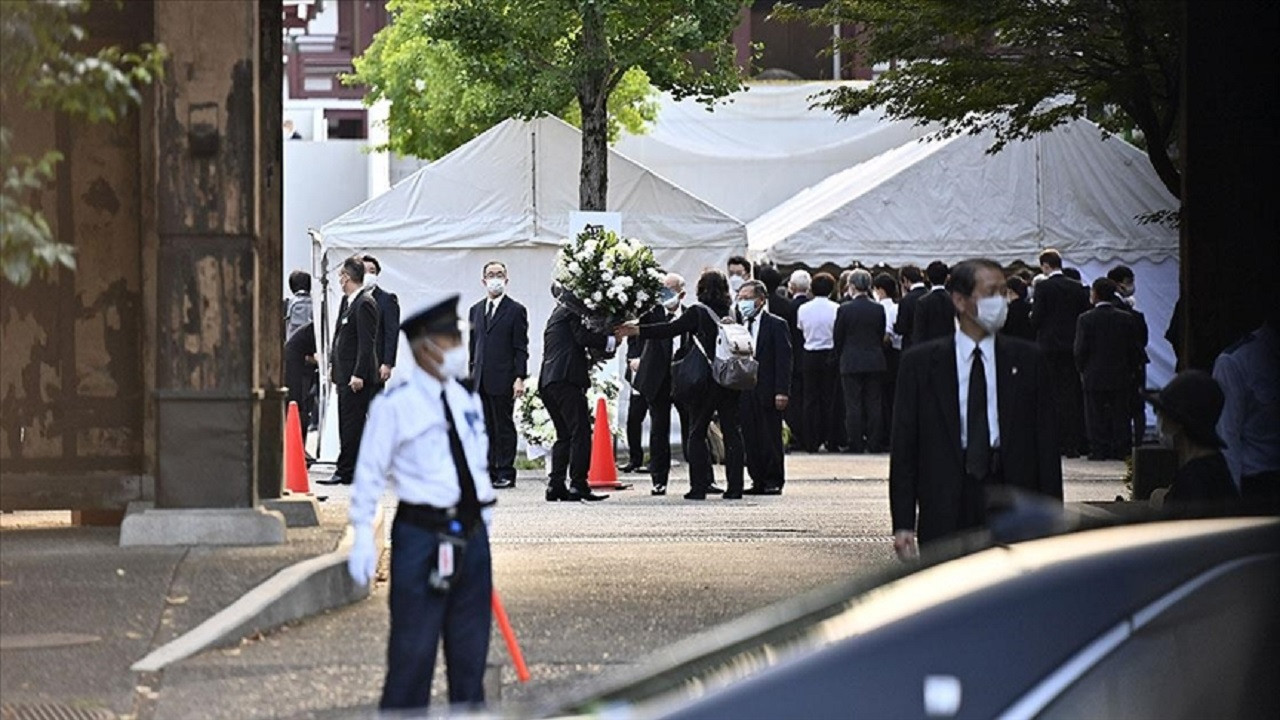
<point x="356" y="384"/>
<point x="517" y="388"/>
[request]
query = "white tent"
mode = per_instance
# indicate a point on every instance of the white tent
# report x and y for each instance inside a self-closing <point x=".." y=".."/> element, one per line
<point x="760" y="146"/>
<point x="949" y="199"/>
<point x="507" y="196"/>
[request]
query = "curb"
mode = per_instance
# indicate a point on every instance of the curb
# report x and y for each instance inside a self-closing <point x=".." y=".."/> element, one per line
<point x="301" y="590"/>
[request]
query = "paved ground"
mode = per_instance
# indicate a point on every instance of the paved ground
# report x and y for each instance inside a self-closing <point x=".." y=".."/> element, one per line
<point x="590" y="588"/>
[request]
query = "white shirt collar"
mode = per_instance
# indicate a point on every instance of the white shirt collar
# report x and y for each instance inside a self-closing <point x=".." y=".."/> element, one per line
<point x="914" y="286"/>
<point x="1055" y="272"/>
<point x="425" y="381"/>
<point x="965" y="346"/>
<point x="936" y="288"/>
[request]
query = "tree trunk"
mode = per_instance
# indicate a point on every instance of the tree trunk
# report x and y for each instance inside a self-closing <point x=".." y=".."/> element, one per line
<point x="593" y="178"/>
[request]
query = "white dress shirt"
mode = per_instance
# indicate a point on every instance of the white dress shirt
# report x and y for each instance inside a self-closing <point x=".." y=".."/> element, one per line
<point x="890" y="318"/>
<point x="964" y="364"/>
<point x="817" y="321"/>
<point x="406" y="438"/>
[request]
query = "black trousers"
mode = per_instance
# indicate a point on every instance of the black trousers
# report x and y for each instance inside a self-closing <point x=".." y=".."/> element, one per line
<point x="794" y="414"/>
<point x="566" y="403"/>
<point x="1109" y="418"/>
<point x="636" y="411"/>
<point x="660" y="433"/>
<point x="353" y="410"/>
<point x="862" y="410"/>
<point x="1067" y="400"/>
<point x="500" y="426"/>
<point x="762" y="440"/>
<point x="720" y="403"/>
<point x="888" y="387"/>
<point x="420" y="617"/>
<point x="820" y="388"/>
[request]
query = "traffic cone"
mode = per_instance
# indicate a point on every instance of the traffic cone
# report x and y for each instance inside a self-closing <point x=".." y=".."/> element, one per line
<point x="603" y="473"/>
<point x="297" y="480"/>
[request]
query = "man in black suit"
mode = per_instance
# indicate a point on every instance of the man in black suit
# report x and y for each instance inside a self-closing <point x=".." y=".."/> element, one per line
<point x="389" y="314"/>
<point x="563" y="383"/>
<point x="973" y="411"/>
<point x="637" y="405"/>
<point x="859" y="337"/>
<point x="354" y="366"/>
<point x="913" y="288"/>
<point x="499" y="366"/>
<point x="653" y="381"/>
<point x="761" y="408"/>
<point x="1124" y="279"/>
<point x="935" y="314"/>
<point x="778" y="304"/>
<point x="1058" y="305"/>
<point x="799" y="285"/>
<point x="1108" y="352"/>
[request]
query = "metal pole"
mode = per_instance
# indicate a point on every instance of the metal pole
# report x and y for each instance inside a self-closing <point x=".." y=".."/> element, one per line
<point x="835" y="52"/>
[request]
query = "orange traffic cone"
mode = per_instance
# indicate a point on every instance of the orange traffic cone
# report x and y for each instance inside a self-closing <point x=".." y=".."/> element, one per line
<point x="297" y="480"/>
<point x="603" y="473"/>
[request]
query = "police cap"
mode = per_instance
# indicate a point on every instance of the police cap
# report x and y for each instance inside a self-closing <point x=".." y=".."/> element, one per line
<point x="437" y="315"/>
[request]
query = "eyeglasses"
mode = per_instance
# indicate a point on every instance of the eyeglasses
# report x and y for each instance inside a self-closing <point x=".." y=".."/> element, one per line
<point x="499" y="275"/>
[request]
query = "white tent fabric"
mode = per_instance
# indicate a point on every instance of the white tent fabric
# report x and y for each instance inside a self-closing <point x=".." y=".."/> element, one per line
<point x="1069" y="189"/>
<point x="760" y="146"/>
<point x="507" y="196"/>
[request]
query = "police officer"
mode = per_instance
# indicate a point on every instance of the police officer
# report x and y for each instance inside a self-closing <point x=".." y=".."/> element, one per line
<point x="428" y="433"/>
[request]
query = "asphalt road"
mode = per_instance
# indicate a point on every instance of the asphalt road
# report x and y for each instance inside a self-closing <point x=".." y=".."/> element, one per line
<point x="590" y="588"/>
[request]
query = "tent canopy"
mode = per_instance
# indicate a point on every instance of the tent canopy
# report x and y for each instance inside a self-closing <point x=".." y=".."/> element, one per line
<point x="948" y="198"/>
<point x="760" y="146"/>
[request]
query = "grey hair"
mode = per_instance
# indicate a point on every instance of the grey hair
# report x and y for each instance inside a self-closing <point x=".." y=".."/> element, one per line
<point x="800" y="280"/>
<point x="860" y="279"/>
<point x="677" y="278"/>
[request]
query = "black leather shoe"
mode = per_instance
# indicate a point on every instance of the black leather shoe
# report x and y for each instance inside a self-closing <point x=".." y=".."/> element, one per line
<point x="332" y="480"/>
<point x="754" y="490"/>
<point x="557" y="494"/>
<point x="695" y="495"/>
<point x="771" y="491"/>
<point x="732" y="495"/>
<point x="503" y="483"/>
<point x="642" y="469"/>
<point x="713" y="490"/>
<point x="586" y="495"/>
<point x="659" y="489"/>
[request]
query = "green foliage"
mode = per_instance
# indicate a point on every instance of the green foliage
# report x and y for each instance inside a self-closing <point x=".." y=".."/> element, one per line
<point x="453" y="68"/>
<point x="40" y="69"/>
<point x="977" y="65"/>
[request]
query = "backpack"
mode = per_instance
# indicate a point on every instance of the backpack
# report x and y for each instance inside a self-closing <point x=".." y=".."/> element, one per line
<point x="734" y="365"/>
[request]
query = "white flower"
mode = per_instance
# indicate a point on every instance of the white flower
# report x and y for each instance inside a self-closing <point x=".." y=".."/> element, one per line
<point x="627" y="281"/>
<point x="607" y="274"/>
<point x="590" y="247"/>
<point x="597" y="296"/>
<point x="574" y="268"/>
<point x="642" y="296"/>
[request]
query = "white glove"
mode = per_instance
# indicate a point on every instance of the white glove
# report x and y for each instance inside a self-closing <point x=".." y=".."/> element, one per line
<point x="362" y="562"/>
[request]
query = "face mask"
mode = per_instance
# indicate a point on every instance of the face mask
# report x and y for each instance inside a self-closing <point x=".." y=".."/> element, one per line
<point x="992" y="312"/>
<point x="736" y="282"/>
<point x="370" y="280"/>
<point x="669" y="298"/>
<point x="747" y="308"/>
<point x="496" y="286"/>
<point x="455" y="363"/>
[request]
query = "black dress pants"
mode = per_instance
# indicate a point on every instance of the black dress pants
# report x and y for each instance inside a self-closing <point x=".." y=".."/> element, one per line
<point x="1067" y="396"/>
<point x="636" y="411"/>
<point x="500" y="425"/>
<point x="762" y="441"/>
<point x="1108" y="416"/>
<point x="722" y="403"/>
<point x="566" y="403"/>
<point x="820" y="389"/>
<point x="862" y="408"/>
<point x="353" y="410"/>
<point x="794" y="414"/>
<point x="660" y="433"/>
<point x="888" y="387"/>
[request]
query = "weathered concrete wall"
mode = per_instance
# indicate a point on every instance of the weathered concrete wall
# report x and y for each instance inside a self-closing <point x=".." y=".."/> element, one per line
<point x="72" y="386"/>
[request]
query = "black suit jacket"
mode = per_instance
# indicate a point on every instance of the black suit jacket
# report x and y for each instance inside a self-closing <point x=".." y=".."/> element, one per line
<point x="355" y="352"/>
<point x="773" y="353"/>
<point x="1108" y="348"/>
<point x="654" y="356"/>
<point x="388" y="325"/>
<point x="1018" y="322"/>
<point x="797" y="336"/>
<point x="935" y="317"/>
<point x="906" y="323"/>
<point x="1058" y="304"/>
<point x="780" y="307"/>
<point x="926" y="468"/>
<point x="565" y="343"/>
<point x="499" y="347"/>
<point x="859" y="336"/>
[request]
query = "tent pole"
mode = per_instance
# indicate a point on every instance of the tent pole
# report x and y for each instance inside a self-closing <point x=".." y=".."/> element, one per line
<point x="533" y="176"/>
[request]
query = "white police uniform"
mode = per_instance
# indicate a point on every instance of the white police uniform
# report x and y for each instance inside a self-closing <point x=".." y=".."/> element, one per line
<point x="407" y="438"/>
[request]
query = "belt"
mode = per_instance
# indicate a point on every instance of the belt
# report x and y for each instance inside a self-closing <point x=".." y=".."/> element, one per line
<point x="429" y="517"/>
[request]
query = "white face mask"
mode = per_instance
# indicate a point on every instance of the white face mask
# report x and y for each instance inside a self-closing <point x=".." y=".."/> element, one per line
<point x="747" y="308"/>
<point x="736" y="282"/>
<point x="455" y="363"/>
<point x="992" y="312"/>
<point x="672" y="302"/>
<point x="496" y="286"/>
<point x="370" y="280"/>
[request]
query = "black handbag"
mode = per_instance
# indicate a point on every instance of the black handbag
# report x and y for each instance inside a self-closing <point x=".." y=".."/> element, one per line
<point x="690" y="374"/>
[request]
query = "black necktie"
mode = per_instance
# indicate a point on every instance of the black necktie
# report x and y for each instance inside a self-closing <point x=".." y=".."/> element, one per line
<point x="751" y="324"/>
<point x="468" y="506"/>
<point x="488" y="314"/>
<point x="977" y="457"/>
